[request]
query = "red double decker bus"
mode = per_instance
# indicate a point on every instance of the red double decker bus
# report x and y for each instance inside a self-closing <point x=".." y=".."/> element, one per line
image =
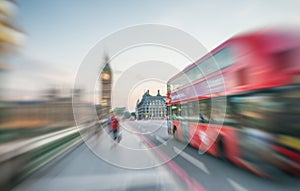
<point x="241" y="102"/>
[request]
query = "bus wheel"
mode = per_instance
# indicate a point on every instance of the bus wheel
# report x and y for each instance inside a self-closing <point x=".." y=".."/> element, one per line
<point x="221" y="149"/>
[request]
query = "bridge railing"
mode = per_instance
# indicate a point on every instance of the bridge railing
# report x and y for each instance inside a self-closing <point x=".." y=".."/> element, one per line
<point x="20" y="158"/>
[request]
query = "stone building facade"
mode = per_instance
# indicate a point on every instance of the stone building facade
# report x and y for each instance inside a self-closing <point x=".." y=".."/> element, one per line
<point x="151" y="107"/>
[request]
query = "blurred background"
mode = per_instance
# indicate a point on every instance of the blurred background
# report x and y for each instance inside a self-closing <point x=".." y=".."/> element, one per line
<point x="43" y="43"/>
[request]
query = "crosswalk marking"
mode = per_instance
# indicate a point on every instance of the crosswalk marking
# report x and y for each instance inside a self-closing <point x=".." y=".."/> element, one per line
<point x="160" y="140"/>
<point x="192" y="160"/>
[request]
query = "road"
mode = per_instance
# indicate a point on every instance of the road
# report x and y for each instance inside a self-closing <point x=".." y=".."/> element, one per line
<point x="145" y="159"/>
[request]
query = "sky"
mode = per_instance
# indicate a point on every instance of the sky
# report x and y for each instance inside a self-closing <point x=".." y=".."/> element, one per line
<point x="60" y="33"/>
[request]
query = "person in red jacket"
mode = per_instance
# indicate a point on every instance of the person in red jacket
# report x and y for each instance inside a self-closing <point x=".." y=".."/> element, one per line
<point x="114" y="127"/>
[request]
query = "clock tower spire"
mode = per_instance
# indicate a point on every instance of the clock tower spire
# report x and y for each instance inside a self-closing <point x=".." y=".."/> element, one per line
<point x="106" y="82"/>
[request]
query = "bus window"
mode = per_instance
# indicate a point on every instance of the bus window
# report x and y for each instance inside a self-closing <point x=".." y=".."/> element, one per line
<point x="214" y="63"/>
<point x="257" y="111"/>
<point x="224" y="58"/>
<point x="222" y="112"/>
<point x="193" y="111"/>
<point x="194" y="74"/>
<point x="184" y="111"/>
<point x="287" y="111"/>
<point x="176" y="111"/>
<point x="204" y="111"/>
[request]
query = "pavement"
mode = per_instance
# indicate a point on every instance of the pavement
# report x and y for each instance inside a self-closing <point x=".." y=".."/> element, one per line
<point x="100" y="164"/>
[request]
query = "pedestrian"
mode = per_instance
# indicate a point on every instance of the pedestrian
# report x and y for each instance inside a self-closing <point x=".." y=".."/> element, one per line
<point x="114" y="128"/>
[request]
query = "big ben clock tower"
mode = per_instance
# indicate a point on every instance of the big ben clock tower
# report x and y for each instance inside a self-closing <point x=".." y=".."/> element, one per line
<point x="106" y="79"/>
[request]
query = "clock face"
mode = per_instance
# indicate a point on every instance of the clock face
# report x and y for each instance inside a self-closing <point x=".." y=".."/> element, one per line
<point x="105" y="76"/>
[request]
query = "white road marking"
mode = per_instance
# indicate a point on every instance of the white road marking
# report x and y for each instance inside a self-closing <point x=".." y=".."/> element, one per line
<point x="160" y="140"/>
<point x="236" y="186"/>
<point x="192" y="160"/>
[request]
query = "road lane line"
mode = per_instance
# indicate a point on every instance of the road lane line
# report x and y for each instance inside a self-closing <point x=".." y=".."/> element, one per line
<point x="192" y="160"/>
<point x="191" y="183"/>
<point x="160" y="140"/>
<point x="236" y="186"/>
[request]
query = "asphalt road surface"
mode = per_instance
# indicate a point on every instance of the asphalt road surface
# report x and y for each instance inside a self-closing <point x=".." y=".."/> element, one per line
<point x="147" y="158"/>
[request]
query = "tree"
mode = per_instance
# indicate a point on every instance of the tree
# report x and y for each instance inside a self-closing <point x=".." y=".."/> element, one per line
<point x="119" y="111"/>
<point x="132" y="114"/>
<point x="126" y="115"/>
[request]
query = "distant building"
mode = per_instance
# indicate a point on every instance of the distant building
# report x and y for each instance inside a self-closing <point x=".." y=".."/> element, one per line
<point x="151" y="107"/>
<point x="56" y="112"/>
<point x="106" y="83"/>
